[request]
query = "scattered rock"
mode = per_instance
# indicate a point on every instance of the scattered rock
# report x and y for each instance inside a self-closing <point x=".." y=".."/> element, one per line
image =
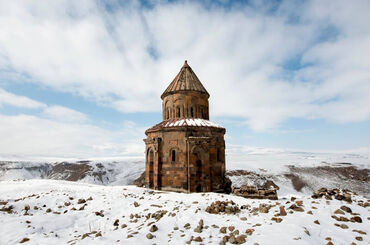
<point x="338" y="211"/>
<point x="240" y="239"/>
<point x="277" y="220"/>
<point x="232" y="239"/>
<point x="282" y="211"/>
<point x="343" y="226"/>
<point x="198" y="239"/>
<point x="223" y="230"/>
<point x="360" y="231"/>
<point x="346" y="209"/>
<point x="97" y="213"/>
<point x="299" y="203"/>
<point x="249" y="231"/>
<point x="153" y="228"/>
<point x="264" y="208"/>
<point x="296" y="208"/>
<point x="24" y="240"/>
<point x="116" y="222"/>
<point x="149" y="236"/>
<point x="356" y="219"/>
<point x="81" y="201"/>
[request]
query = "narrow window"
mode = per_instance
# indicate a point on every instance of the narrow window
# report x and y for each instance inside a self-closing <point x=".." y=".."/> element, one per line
<point x="173" y="153"/>
<point x="178" y="112"/>
<point x="168" y="113"/>
<point x="219" y="155"/>
<point x="192" y="112"/>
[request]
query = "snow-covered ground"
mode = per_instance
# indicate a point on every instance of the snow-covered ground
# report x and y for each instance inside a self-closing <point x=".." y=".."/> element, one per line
<point x="55" y="217"/>
<point x="58" y="219"/>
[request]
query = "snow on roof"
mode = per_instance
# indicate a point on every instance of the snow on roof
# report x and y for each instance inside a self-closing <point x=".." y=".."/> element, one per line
<point x="186" y="122"/>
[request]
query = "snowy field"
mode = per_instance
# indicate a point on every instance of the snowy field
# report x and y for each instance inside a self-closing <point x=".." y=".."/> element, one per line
<point x="118" y="213"/>
<point x="55" y="217"/>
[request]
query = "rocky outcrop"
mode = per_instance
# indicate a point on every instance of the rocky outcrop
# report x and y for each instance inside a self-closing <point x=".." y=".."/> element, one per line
<point x="140" y="182"/>
<point x="253" y="192"/>
<point x="329" y="194"/>
<point x="228" y="207"/>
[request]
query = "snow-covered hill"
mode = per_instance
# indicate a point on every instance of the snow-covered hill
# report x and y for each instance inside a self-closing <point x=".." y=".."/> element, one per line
<point x="63" y="212"/>
<point x="294" y="172"/>
<point x="120" y="172"/>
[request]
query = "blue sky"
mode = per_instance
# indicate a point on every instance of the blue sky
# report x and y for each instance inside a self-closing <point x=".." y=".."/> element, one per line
<point x="84" y="78"/>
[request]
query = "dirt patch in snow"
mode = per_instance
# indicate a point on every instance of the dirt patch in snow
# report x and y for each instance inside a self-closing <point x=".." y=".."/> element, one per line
<point x="69" y="171"/>
<point x="297" y="182"/>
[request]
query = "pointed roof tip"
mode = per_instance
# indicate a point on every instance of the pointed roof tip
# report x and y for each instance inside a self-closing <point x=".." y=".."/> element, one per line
<point x="186" y="64"/>
<point x="186" y="80"/>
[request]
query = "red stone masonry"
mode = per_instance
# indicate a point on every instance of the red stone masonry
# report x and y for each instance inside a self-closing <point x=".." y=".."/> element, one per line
<point x="185" y="152"/>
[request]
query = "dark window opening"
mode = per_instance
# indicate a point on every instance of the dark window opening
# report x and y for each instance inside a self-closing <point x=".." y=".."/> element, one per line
<point x="173" y="153"/>
<point x="218" y="155"/>
<point x="178" y="111"/>
<point x="192" y="112"/>
<point x="168" y="113"/>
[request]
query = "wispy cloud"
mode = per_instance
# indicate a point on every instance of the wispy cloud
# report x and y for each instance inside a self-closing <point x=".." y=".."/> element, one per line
<point x="60" y="113"/>
<point x="7" y="98"/>
<point x="262" y="64"/>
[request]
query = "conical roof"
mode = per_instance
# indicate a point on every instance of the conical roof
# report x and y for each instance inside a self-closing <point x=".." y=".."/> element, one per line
<point x="186" y="80"/>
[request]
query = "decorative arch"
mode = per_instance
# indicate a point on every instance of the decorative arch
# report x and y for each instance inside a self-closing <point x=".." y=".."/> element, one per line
<point x="166" y="110"/>
<point x="173" y="156"/>
<point x="150" y="166"/>
<point x="178" y="112"/>
<point x="197" y="161"/>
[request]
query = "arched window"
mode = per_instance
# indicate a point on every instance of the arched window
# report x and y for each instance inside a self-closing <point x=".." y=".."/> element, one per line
<point x="178" y="112"/>
<point x="218" y="154"/>
<point x="173" y="155"/>
<point x="168" y="113"/>
<point x="191" y="112"/>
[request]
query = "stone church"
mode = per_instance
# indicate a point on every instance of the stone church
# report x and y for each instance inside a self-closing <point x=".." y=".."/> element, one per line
<point x="185" y="152"/>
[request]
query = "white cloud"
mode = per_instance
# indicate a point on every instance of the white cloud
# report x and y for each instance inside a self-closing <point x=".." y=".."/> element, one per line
<point x="7" y="98"/>
<point x="60" y="113"/>
<point x="238" y="54"/>
<point x="31" y="136"/>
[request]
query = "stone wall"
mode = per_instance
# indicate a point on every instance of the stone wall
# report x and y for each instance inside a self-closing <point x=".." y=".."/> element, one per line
<point x="188" y="104"/>
<point x="186" y="159"/>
